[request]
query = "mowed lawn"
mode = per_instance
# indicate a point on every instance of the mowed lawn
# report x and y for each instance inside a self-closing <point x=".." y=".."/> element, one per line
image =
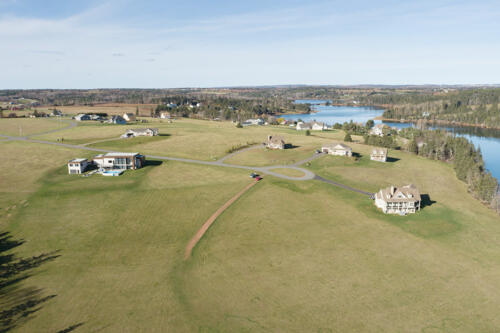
<point x="28" y="126"/>
<point x="286" y="257"/>
<point x="121" y="241"/>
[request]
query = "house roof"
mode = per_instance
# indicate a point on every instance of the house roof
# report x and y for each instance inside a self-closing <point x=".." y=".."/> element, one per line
<point x="337" y="146"/>
<point x="276" y="139"/>
<point x="77" y="160"/>
<point x="142" y="130"/>
<point x="117" y="154"/>
<point x="407" y="193"/>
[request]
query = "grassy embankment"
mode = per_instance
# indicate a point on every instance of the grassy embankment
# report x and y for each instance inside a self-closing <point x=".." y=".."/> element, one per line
<point x="287" y="256"/>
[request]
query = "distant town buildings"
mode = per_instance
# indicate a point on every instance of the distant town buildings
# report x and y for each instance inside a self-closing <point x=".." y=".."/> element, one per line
<point x="394" y="200"/>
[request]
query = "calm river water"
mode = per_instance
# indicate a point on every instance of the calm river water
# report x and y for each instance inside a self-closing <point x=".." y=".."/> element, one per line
<point x="487" y="140"/>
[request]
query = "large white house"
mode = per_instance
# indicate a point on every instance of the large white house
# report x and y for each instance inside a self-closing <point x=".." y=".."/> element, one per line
<point x="133" y="132"/>
<point x="120" y="161"/>
<point x="403" y="200"/>
<point x="337" y="149"/>
<point x="77" y="166"/>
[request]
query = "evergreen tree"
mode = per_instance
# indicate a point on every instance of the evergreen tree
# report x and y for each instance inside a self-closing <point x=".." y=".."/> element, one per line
<point x="347" y="137"/>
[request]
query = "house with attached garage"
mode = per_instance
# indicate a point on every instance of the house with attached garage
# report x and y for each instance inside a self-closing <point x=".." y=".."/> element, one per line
<point x="337" y="149"/>
<point x="398" y="200"/>
<point x="77" y="166"/>
<point x="120" y="161"/>
<point x="133" y="132"/>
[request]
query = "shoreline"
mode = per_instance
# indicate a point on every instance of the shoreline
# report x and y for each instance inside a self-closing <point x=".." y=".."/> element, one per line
<point x="437" y="122"/>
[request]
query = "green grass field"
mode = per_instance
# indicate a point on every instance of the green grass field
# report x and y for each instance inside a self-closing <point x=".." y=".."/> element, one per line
<point x="28" y="126"/>
<point x="286" y="257"/>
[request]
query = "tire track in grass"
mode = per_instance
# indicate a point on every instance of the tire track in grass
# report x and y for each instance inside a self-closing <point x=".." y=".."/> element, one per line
<point x="199" y="234"/>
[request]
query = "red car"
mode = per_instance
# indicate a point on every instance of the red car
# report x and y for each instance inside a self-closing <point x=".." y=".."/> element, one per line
<point x="258" y="178"/>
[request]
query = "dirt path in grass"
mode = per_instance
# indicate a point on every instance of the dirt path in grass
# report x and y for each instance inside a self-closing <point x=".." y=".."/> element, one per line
<point x="199" y="234"/>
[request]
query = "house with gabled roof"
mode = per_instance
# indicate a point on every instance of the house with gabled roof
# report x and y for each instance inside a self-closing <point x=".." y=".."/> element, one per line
<point x="275" y="142"/>
<point x="399" y="200"/>
<point x="337" y="149"/>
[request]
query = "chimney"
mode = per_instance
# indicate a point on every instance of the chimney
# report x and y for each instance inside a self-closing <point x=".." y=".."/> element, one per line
<point x="392" y="189"/>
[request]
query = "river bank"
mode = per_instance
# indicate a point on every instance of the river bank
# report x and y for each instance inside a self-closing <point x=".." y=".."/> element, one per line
<point x="438" y="122"/>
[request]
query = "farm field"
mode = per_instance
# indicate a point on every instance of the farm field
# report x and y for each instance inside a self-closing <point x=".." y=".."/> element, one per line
<point x="288" y="256"/>
<point x="109" y="108"/>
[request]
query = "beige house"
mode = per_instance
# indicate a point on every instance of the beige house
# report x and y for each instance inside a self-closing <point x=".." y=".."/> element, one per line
<point x="129" y="116"/>
<point x="275" y="142"/>
<point x="403" y="200"/>
<point x="77" y="166"/>
<point x="338" y="149"/>
<point x="379" y="154"/>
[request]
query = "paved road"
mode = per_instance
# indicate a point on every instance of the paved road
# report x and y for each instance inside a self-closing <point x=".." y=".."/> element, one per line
<point x="308" y="175"/>
<point x="328" y="181"/>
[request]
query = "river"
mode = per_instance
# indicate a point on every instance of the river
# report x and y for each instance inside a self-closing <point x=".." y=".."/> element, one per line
<point x="487" y="140"/>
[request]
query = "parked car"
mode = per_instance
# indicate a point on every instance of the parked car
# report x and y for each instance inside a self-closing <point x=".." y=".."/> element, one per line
<point x="253" y="175"/>
<point x="258" y="178"/>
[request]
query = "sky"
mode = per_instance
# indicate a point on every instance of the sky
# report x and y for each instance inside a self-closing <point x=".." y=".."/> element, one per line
<point x="220" y="43"/>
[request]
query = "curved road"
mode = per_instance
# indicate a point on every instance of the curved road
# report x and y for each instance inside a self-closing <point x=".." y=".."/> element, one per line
<point x="308" y="175"/>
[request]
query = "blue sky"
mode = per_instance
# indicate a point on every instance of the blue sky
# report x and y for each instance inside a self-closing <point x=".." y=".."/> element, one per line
<point x="163" y="44"/>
